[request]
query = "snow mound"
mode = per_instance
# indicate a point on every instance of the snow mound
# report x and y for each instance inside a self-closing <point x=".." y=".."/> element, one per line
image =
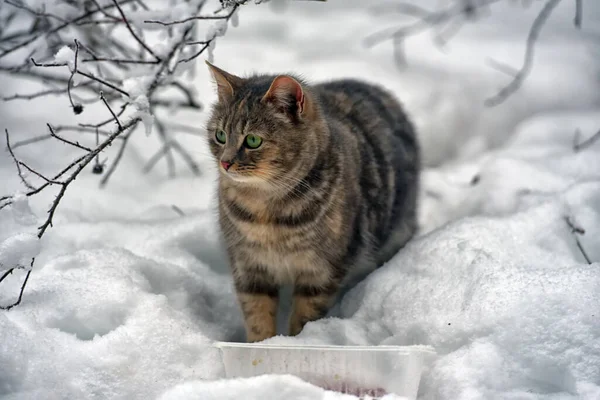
<point x="127" y="296"/>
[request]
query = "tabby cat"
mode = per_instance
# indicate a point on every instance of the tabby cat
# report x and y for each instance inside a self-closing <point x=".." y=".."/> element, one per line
<point x="317" y="183"/>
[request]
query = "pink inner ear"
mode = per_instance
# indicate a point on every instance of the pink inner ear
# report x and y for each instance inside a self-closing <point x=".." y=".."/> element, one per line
<point x="283" y="86"/>
<point x="299" y="98"/>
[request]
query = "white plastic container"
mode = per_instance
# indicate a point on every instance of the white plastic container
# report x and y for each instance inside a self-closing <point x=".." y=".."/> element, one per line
<point x="358" y="370"/>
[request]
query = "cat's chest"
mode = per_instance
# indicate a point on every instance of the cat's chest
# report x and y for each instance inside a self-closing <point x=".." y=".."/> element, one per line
<point x="284" y="267"/>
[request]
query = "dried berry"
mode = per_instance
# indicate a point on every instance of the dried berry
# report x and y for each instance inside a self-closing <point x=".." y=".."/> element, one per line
<point x="98" y="169"/>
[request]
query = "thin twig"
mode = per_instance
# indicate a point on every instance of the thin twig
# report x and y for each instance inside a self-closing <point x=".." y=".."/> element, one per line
<point x="10" y="271"/>
<point x="77" y="108"/>
<point x="27" y="184"/>
<point x="107" y="121"/>
<point x="84" y="161"/>
<point x="33" y="171"/>
<point x="178" y="210"/>
<point x="191" y="101"/>
<point x="118" y="157"/>
<point x="33" y="95"/>
<point x="90" y="76"/>
<point x="118" y="60"/>
<point x="109" y="16"/>
<point x="32" y="140"/>
<point x="57" y="29"/>
<point x="22" y="286"/>
<point x="62" y="139"/>
<point x="175" y="145"/>
<point x="577" y="230"/>
<point x="198" y="52"/>
<point x="165" y="150"/>
<point x="578" y="13"/>
<point x="34" y="12"/>
<point x="525" y="69"/>
<point x="135" y="36"/>
<point x="578" y="146"/>
<point x="194" y="18"/>
<point x="111" y="111"/>
<point x="102" y="81"/>
<point x="425" y="19"/>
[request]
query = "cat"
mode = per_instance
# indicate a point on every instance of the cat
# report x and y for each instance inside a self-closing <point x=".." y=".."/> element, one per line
<point x="316" y="183"/>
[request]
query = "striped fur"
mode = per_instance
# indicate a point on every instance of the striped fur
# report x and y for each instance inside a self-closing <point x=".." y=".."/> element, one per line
<point x="329" y="194"/>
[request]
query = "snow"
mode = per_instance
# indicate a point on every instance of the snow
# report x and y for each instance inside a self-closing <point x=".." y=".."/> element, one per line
<point x="18" y="250"/>
<point x="65" y="55"/>
<point x="127" y="295"/>
<point x="286" y="387"/>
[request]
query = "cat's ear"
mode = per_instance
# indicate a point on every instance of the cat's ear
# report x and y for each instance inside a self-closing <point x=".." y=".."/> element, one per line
<point x="287" y="94"/>
<point x="227" y="83"/>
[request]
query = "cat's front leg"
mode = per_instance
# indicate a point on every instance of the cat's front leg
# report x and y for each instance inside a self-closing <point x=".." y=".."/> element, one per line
<point x="258" y="296"/>
<point x="311" y="300"/>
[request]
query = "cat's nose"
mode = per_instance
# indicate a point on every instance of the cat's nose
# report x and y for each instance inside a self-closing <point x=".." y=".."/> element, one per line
<point x="225" y="165"/>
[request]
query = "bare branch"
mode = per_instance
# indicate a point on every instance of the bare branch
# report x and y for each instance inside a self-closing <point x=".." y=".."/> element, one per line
<point x="194" y="18"/>
<point x="33" y="171"/>
<point x="118" y="60"/>
<point x="102" y="81"/>
<point x="110" y="61"/>
<point x="57" y="29"/>
<point x="135" y="36"/>
<point x="80" y="165"/>
<point x="191" y="101"/>
<point x="111" y="111"/>
<point x="578" y="13"/>
<point x="105" y="13"/>
<point x="425" y="19"/>
<point x="32" y="140"/>
<point x="178" y="210"/>
<point x="34" y="12"/>
<point x="92" y="77"/>
<point x="192" y="130"/>
<point x="525" y="69"/>
<point x="17" y="163"/>
<point x="118" y="157"/>
<point x="578" y="146"/>
<point x="22" y="286"/>
<point x="74" y="144"/>
<point x="195" y="55"/>
<point x="106" y="122"/>
<point x="77" y="108"/>
<point x="452" y="18"/>
<point x="175" y="145"/>
<point x="577" y="230"/>
<point x="165" y="151"/>
<point x="34" y="95"/>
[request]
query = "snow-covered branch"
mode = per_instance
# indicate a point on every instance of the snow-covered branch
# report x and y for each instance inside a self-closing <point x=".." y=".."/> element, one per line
<point x="133" y="59"/>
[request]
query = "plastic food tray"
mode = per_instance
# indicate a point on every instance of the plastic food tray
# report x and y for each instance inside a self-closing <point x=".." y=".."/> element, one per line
<point x="358" y="370"/>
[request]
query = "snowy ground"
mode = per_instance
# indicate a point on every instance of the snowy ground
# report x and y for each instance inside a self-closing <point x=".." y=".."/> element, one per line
<point x="127" y="296"/>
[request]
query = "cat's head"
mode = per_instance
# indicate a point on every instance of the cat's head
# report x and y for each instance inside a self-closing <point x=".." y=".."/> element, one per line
<point x="264" y="130"/>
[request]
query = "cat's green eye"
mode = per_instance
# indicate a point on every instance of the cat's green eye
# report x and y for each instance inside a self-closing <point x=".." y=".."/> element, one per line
<point x="253" y="141"/>
<point x="221" y="136"/>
